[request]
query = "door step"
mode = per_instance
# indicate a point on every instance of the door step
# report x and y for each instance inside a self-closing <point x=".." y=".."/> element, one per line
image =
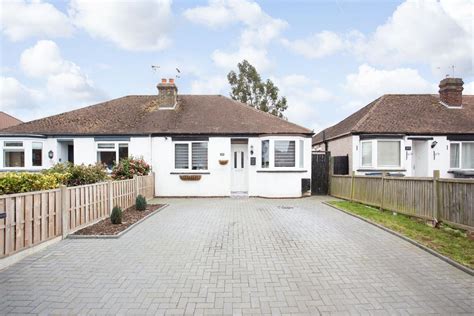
<point x="239" y="195"/>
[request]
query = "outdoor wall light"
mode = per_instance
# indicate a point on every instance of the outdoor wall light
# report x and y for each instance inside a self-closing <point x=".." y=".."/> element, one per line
<point x="251" y="149"/>
<point x="433" y="144"/>
<point x="50" y="154"/>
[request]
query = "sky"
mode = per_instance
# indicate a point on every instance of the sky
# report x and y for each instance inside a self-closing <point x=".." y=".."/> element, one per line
<point x="329" y="58"/>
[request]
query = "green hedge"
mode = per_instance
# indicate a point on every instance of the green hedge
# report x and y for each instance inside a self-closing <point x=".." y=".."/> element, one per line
<point x="18" y="182"/>
<point x="80" y="174"/>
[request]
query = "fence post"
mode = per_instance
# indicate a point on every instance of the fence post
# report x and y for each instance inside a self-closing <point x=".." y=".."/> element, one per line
<point x="384" y="174"/>
<point x="111" y="195"/>
<point x="436" y="197"/>
<point x="331" y="172"/>
<point x="137" y="187"/>
<point x="64" y="211"/>
<point x="352" y="185"/>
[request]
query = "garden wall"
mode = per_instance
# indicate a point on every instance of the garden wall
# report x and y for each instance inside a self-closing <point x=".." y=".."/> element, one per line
<point x="29" y="219"/>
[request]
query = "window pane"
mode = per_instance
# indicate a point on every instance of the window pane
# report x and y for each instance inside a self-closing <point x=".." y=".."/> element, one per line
<point x="123" y="151"/>
<point x="301" y="153"/>
<point x="284" y="153"/>
<point x="106" y="146"/>
<point x="199" y="156"/>
<point x="388" y="153"/>
<point x="468" y="155"/>
<point x="181" y="156"/>
<point x="242" y="159"/>
<point x="454" y="155"/>
<point x="37" y="154"/>
<point x="13" y="144"/>
<point x="265" y="153"/>
<point x="366" y="154"/>
<point x="14" y="159"/>
<point x="107" y="158"/>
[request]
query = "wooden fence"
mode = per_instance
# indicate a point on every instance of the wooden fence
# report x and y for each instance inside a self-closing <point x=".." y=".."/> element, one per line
<point x="28" y="219"/>
<point x="448" y="200"/>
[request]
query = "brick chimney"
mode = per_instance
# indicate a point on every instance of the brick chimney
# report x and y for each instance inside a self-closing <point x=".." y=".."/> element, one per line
<point x="167" y="94"/>
<point x="450" y="91"/>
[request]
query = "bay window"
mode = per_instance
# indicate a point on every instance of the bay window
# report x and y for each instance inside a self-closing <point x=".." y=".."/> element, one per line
<point x="191" y="156"/>
<point x="110" y="153"/>
<point x="380" y="153"/>
<point x="282" y="153"/>
<point x="388" y="153"/>
<point x="13" y="154"/>
<point x="461" y="155"/>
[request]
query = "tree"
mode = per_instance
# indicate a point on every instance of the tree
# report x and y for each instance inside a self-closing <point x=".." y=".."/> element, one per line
<point x="247" y="87"/>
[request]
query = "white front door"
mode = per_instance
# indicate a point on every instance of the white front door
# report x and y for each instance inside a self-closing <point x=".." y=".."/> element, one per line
<point x="419" y="158"/>
<point x="239" y="168"/>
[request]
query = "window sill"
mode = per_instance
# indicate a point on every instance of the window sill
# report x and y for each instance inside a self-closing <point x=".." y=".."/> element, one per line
<point x="190" y="172"/>
<point x="282" y="170"/>
<point x="381" y="169"/>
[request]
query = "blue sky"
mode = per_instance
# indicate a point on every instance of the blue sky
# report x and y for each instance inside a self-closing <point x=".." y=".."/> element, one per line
<point x="328" y="57"/>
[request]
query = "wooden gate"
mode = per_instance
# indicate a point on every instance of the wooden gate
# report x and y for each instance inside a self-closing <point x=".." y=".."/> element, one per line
<point x="320" y="173"/>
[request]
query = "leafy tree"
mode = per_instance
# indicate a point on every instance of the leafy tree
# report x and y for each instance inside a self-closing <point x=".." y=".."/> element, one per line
<point x="247" y="87"/>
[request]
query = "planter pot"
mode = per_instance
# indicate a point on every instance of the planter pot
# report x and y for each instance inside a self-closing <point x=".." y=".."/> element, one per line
<point x="190" y="177"/>
<point x="223" y="162"/>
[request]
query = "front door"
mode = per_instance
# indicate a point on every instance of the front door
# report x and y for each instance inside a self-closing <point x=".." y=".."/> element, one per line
<point x="239" y="168"/>
<point x="419" y="158"/>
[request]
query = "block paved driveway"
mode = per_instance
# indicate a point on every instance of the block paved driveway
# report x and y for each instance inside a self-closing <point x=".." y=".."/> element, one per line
<point x="238" y="256"/>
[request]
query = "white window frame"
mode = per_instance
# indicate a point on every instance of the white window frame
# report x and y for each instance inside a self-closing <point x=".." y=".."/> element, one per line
<point x="189" y="169"/>
<point x="115" y="149"/>
<point x="375" y="164"/>
<point x="298" y="142"/>
<point x="460" y="155"/>
<point x="21" y="148"/>
<point x="372" y="154"/>
<point x="400" y="153"/>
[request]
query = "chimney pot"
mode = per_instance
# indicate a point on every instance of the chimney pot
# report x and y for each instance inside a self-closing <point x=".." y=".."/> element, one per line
<point x="163" y="80"/>
<point x="171" y="80"/>
<point x="450" y="91"/>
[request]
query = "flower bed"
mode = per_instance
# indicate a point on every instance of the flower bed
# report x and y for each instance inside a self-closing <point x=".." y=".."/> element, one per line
<point x="129" y="217"/>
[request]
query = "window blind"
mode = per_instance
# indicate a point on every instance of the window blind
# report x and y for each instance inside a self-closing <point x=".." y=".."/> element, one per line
<point x="181" y="156"/>
<point x="284" y="153"/>
<point x="199" y="156"/>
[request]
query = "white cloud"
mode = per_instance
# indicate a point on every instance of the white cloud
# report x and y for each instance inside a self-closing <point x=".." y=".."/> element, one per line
<point x="215" y="84"/>
<point x="20" y="20"/>
<point x="256" y="57"/>
<point x="14" y="96"/>
<point x="436" y="33"/>
<point x="306" y="99"/>
<point x="65" y="80"/>
<point x="137" y="26"/>
<point x="370" y="83"/>
<point x="469" y="88"/>
<point x="259" y="29"/>
<point x="317" y="45"/>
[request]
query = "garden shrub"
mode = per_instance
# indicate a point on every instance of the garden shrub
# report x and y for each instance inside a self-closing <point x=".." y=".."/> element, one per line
<point x="18" y="182"/>
<point x="80" y="174"/>
<point x="140" y="203"/>
<point x="116" y="216"/>
<point x="130" y="167"/>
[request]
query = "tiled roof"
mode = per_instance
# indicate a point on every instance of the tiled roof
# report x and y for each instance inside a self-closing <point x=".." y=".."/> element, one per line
<point x="6" y="120"/>
<point x="133" y="115"/>
<point x="405" y="114"/>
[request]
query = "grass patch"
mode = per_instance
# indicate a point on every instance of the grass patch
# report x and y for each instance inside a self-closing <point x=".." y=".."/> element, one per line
<point x="447" y="240"/>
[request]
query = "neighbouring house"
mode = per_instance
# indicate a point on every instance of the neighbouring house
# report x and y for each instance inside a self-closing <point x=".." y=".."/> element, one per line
<point x="197" y="145"/>
<point x="408" y="134"/>
<point x="6" y="120"/>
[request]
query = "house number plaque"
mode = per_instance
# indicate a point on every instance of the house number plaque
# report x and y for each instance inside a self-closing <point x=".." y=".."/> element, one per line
<point x="3" y="215"/>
